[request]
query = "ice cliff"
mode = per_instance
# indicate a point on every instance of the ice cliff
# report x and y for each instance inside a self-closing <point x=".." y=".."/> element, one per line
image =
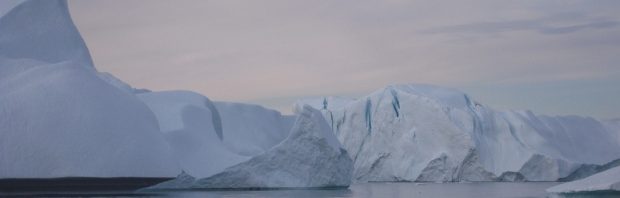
<point x="427" y="133"/>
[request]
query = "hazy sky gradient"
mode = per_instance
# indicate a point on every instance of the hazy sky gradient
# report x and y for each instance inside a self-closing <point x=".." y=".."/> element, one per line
<point x="555" y="57"/>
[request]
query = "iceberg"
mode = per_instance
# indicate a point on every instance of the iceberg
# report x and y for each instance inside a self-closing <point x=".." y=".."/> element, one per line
<point x="605" y="181"/>
<point x="432" y="134"/>
<point x="407" y="134"/>
<point x="63" y="118"/>
<point x="544" y="148"/>
<point x="310" y="157"/>
<point x="59" y="119"/>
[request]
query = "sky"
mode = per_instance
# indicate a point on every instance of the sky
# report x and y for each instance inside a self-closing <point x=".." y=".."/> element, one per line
<point x="555" y="57"/>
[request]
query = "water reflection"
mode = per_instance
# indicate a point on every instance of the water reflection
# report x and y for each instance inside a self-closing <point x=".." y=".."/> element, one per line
<point x="397" y="190"/>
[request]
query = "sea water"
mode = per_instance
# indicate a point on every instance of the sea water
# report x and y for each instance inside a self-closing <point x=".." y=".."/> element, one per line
<point x="365" y="190"/>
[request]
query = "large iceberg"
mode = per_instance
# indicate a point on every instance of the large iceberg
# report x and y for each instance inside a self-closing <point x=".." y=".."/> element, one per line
<point x="310" y="157"/>
<point x="608" y="180"/>
<point x="63" y="118"/>
<point x="58" y="118"/>
<point x="428" y="133"/>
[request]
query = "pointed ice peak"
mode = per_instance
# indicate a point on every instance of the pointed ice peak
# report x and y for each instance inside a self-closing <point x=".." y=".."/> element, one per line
<point x="311" y="122"/>
<point x="41" y="31"/>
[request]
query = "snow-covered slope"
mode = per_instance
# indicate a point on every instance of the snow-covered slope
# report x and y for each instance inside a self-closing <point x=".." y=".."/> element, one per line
<point x="428" y="133"/>
<point x="58" y="118"/>
<point x="250" y="130"/>
<point x="608" y="180"/>
<point x="310" y="156"/>
<point x="193" y="127"/>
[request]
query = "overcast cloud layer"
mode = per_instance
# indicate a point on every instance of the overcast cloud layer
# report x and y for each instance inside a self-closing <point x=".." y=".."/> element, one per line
<point x="556" y="57"/>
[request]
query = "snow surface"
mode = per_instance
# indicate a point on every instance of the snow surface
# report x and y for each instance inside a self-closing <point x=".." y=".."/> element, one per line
<point x="608" y="180"/>
<point x="310" y="156"/>
<point x="59" y="119"/>
<point x="427" y="133"/>
<point x="191" y="124"/>
<point x="250" y="130"/>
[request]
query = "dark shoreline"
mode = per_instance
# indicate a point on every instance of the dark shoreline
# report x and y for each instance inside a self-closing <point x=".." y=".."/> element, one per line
<point x="78" y="184"/>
